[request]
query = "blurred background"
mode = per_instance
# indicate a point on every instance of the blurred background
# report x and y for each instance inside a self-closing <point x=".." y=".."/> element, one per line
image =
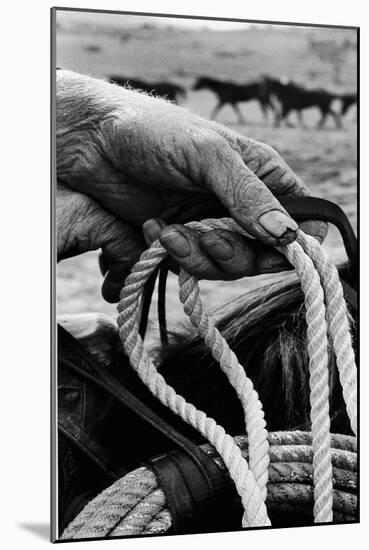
<point x="178" y="51"/>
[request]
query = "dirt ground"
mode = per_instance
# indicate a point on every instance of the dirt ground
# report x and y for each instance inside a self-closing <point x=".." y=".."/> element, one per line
<point x="325" y="159"/>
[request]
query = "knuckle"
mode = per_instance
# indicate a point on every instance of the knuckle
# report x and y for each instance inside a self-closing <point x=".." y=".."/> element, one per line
<point x="249" y="191"/>
<point x="264" y="158"/>
<point x="268" y="150"/>
<point x="290" y="184"/>
<point x="270" y="167"/>
<point x="208" y="143"/>
<point x="233" y="139"/>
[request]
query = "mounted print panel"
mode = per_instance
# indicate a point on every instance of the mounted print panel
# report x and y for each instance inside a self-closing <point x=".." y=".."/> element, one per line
<point x="206" y="218"/>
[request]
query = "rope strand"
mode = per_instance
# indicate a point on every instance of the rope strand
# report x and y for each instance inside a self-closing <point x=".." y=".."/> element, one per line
<point x="254" y="415"/>
<point x="135" y="505"/>
<point x="338" y="325"/>
<point x="319" y="280"/>
<point x="252" y="498"/>
<point x="317" y="343"/>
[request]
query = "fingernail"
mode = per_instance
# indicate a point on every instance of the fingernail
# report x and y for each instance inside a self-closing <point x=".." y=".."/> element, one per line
<point x="277" y="223"/>
<point x="176" y="243"/>
<point x="152" y="228"/>
<point x="218" y="247"/>
<point x="154" y="224"/>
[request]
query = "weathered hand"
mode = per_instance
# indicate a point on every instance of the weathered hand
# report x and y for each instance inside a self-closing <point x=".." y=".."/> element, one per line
<point x="141" y="157"/>
<point x="83" y="225"/>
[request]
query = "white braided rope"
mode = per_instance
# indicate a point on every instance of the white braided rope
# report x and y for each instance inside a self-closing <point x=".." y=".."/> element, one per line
<point x="112" y="505"/>
<point x="317" y="343"/>
<point x="253" y="411"/>
<point x="254" y="415"/>
<point x="135" y="504"/>
<point x="250" y="479"/>
<point x="338" y="325"/>
<point x="252" y="498"/>
<point x="142" y="515"/>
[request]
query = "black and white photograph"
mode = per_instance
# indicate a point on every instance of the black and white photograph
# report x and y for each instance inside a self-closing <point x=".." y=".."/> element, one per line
<point x="206" y="218"/>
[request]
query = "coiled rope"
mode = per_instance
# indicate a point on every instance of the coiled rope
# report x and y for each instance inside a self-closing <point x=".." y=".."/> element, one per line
<point x="136" y="505"/>
<point x="321" y="286"/>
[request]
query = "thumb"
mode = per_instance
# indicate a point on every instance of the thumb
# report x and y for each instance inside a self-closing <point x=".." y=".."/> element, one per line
<point x="121" y="248"/>
<point x="83" y="225"/>
<point x="247" y="198"/>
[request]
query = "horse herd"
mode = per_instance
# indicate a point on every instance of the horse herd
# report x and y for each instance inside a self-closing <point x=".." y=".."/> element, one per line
<point x="280" y="97"/>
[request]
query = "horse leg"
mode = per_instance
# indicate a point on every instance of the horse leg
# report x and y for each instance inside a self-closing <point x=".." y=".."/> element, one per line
<point x="323" y="118"/>
<point x="216" y="110"/>
<point x="301" y="119"/>
<point x="286" y="111"/>
<point x="241" y="119"/>
<point x="278" y="112"/>
<point x="344" y="108"/>
<point x="264" y="108"/>
<point x="337" y="118"/>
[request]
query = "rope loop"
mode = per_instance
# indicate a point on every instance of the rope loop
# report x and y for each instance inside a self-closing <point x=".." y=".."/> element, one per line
<point x="325" y="314"/>
<point x="135" y="504"/>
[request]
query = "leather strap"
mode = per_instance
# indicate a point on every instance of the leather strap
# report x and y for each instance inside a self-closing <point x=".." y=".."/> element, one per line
<point x="301" y="209"/>
<point x="82" y="362"/>
<point x="197" y="493"/>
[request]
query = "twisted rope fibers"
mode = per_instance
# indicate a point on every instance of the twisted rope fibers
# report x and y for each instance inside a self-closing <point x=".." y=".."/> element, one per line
<point x="255" y="424"/>
<point x="135" y="505"/>
<point x="318" y="381"/>
<point x="337" y="322"/>
<point x="250" y="479"/>
<point x="254" y="416"/>
<point x="252" y="497"/>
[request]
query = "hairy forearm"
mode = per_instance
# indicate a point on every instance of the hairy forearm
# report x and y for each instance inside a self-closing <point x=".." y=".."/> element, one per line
<point x="81" y="99"/>
<point x="82" y="103"/>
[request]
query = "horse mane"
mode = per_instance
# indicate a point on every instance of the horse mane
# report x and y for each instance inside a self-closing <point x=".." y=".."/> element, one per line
<point x="266" y="329"/>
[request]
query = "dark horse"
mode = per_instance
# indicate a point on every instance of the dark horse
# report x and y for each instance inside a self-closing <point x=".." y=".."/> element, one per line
<point x="347" y="101"/>
<point x="232" y="93"/>
<point x="293" y="97"/>
<point x="266" y="329"/>
<point x="167" y="90"/>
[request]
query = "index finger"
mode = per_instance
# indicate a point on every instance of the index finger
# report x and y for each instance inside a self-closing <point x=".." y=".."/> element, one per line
<point x="270" y="167"/>
<point x="266" y="163"/>
<point x="247" y="198"/>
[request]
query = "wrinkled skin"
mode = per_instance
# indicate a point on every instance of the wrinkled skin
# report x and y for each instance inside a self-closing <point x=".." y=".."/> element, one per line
<point x="82" y="225"/>
<point x="132" y="159"/>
